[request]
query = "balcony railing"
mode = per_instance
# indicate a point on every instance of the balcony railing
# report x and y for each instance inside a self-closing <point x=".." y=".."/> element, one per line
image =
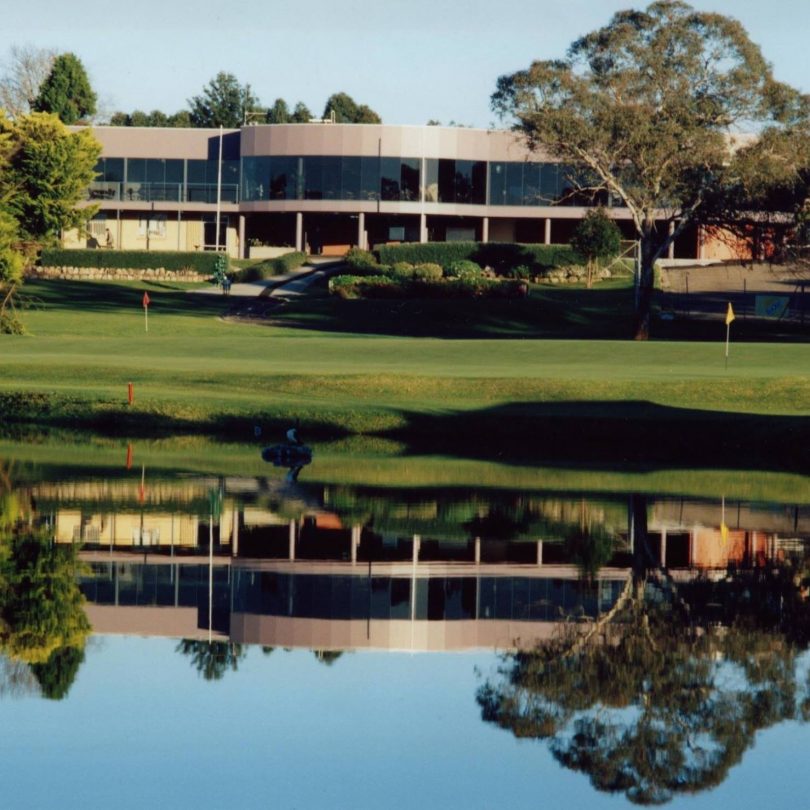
<point x="163" y="192"/>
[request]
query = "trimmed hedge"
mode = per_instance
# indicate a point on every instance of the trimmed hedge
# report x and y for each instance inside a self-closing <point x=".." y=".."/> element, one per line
<point x="500" y="256"/>
<point x="426" y="252"/>
<point x="271" y="267"/>
<point x="202" y="262"/>
<point x="388" y="287"/>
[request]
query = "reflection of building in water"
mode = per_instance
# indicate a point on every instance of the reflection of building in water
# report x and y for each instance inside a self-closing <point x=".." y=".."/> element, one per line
<point x="697" y="534"/>
<point x="309" y="573"/>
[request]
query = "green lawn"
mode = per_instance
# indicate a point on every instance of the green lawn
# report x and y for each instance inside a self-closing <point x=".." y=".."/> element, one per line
<point x="196" y="370"/>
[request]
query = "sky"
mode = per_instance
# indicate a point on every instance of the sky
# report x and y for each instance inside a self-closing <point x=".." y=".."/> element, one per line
<point x="410" y="60"/>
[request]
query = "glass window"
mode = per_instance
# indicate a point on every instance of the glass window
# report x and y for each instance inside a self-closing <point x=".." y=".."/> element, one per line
<point x="255" y="178"/>
<point x="409" y="179"/>
<point x="351" y="178"/>
<point x="284" y="179"/>
<point x="369" y="178"/>
<point x="497" y="183"/>
<point x="136" y="170"/>
<point x="390" y="171"/>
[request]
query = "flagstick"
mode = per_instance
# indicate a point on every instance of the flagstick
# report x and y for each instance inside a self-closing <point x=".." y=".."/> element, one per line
<point x="728" y="332"/>
<point x="146" y="319"/>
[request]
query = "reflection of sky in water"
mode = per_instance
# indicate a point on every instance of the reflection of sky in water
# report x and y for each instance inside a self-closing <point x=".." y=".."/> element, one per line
<point x="140" y="729"/>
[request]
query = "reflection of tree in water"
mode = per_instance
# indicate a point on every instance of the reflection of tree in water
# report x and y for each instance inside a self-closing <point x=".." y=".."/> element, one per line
<point x="43" y="626"/>
<point x="212" y="659"/>
<point x="327" y="657"/>
<point x="41" y="606"/>
<point x="657" y="698"/>
<point x="56" y="675"/>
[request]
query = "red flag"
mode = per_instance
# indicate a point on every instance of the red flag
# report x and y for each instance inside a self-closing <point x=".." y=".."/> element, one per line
<point x="145" y="300"/>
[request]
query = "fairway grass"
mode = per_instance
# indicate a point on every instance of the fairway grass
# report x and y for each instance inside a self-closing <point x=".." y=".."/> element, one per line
<point x="195" y="371"/>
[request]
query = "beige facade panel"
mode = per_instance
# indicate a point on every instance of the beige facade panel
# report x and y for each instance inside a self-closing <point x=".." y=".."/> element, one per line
<point x="388" y="141"/>
<point x="159" y="142"/>
<point x="402" y="635"/>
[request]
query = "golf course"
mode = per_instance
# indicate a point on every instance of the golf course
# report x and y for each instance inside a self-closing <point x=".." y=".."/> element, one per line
<point x="526" y="375"/>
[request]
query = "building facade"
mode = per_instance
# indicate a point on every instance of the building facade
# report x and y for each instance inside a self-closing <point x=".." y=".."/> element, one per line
<point x="326" y="187"/>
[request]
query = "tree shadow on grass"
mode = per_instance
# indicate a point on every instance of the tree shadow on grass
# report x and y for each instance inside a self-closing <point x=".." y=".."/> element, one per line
<point x="547" y="313"/>
<point x="526" y="433"/>
<point x="638" y="433"/>
<point x="82" y="297"/>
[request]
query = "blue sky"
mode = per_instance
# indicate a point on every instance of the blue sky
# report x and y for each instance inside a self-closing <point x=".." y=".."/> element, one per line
<point x="410" y="60"/>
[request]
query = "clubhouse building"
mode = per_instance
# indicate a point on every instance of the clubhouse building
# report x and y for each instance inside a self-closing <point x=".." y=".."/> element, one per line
<point x="323" y="187"/>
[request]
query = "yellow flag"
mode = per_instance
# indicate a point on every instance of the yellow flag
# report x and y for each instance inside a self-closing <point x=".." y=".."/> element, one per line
<point x="729" y="314"/>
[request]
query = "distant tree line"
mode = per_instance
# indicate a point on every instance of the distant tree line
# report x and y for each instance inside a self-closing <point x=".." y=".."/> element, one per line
<point x="225" y="102"/>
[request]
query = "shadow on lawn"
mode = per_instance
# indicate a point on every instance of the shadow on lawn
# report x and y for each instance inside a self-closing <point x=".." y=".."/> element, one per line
<point x="609" y="434"/>
<point x="613" y="433"/>
<point x="548" y="312"/>
<point x="99" y="297"/>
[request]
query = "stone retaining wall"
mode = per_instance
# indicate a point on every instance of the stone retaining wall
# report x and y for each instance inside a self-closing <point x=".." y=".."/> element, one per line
<point x="115" y="274"/>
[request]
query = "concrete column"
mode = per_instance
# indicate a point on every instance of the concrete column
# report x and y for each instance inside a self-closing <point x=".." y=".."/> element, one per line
<point x="671" y="251"/>
<point x="700" y="237"/>
<point x="477" y="550"/>
<point x="417" y="541"/>
<point x="291" y="552"/>
<point x="361" y="231"/>
<point x="242" y="245"/>
<point x="547" y="232"/>
<point x="485" y="230"/>
<point x="235" y="535"/>
<point x="356" y="531"/>
<point x="423" y="234"/>
<point x="664" y="547"/>
<point x="299" y="231"/>
<point x="539" y="552"/>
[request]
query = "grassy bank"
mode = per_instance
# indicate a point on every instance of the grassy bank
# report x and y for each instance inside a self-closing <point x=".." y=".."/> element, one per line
<point x="195" y="372"/>
<point x="362" y="462"/>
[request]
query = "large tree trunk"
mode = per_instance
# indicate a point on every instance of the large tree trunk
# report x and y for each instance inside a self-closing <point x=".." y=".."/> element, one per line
<point x="646" y="282"/>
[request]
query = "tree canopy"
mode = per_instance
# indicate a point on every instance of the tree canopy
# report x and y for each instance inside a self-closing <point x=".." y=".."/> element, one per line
<point x="223" y="102"/>
<point x="279" y="113"/>
<point x="49" y="170"/>
<point x="155" y="118"/>
<point x="25" y="71"/>
<point x="347" y="111"/>
<point x="662" y="694"/>
<point x="595" y="238"/>
<point x="646" y="106"/>
<point x="66" y="91"/>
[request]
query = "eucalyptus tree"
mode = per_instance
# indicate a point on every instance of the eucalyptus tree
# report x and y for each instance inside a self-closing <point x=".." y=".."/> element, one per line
<point x="646" y="106"/>
<point x="664" y="692"/>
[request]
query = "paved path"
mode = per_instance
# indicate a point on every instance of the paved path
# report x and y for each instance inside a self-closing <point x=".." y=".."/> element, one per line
<point x="256" y="300"/>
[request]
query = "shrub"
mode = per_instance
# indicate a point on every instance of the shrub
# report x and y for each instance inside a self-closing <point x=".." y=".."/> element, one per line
<point x="388" y="287"/>
<point x="359" y="259"/>
<point x="403" y="271"/>
<point x="463" y="268"/>
<point x="427" y="272"/>
<point x="202" y="262"/>
<point x="522" y="271"/>
<point x="344" y="286"/>
<point x="501" y="256"/>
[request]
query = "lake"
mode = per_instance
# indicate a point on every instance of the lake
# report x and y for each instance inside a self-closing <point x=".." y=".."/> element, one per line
<point x="183" y="624"/>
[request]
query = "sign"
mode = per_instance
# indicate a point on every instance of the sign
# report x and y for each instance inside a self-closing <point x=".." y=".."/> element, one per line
<point x="771" y="306"/>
